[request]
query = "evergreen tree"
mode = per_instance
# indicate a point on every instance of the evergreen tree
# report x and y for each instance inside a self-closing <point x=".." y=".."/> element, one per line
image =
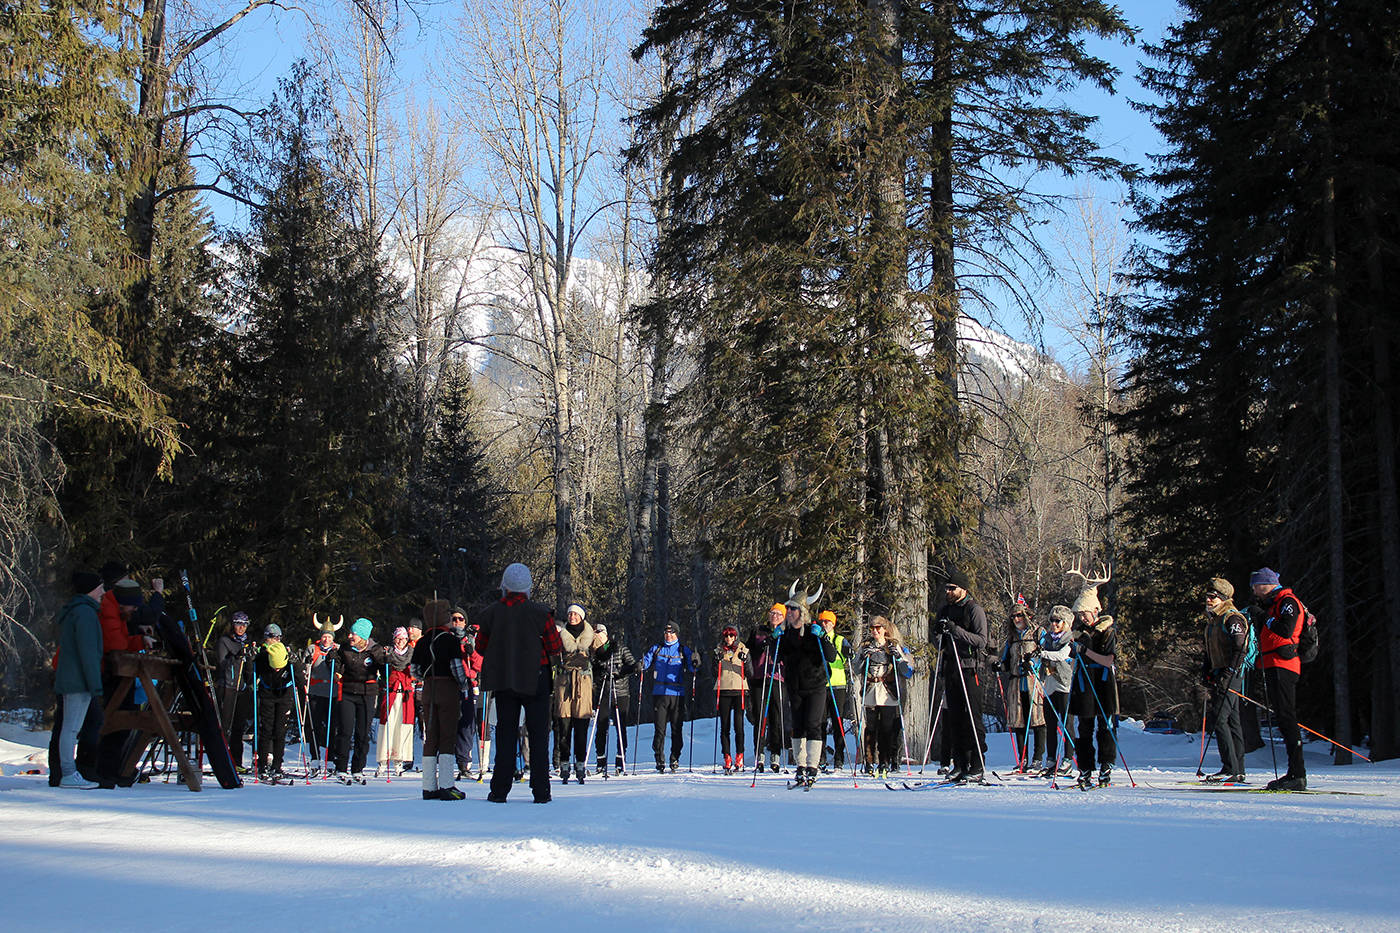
<point x="1262" y="415"/>
<point x="313" y="459"/>
<point x="455" y="502"/>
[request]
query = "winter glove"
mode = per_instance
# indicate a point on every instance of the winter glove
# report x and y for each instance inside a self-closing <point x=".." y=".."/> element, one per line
<point x="817" y="630"/>
<point x="719" y="653"/>
<point x="940" y="627"/>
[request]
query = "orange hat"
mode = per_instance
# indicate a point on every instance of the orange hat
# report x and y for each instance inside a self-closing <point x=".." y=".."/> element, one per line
<point x="826" y="615"/>
<point x="779" y="607"/>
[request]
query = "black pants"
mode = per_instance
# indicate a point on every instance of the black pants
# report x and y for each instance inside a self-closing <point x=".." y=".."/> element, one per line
<point x="236" y="707"/>
<point x="732" y="704"/>
<point x="774" y="723"/>
<point x="509" y="706"/>
<point x="1283" y="690"/>
<point x="666" y="711"/>
<point x="1037" y="735"/>
<point x="352" y="710"/>
<point x="833" y="718"/>
<point x="88" y="736"/>
<point x="965" y="719"/>
<point x="468" y="732"/>
<point x="882" y="730"/>
<point x="273" y="713"/>
<point x="1089" y="727"/>
<point x="1229" y="730"/>
<point x="320" y="726"/>
<point x="611" y="710"/>
<point x="809" y="715"/>
<point x="577" y="749"/>
<point x="1056" y="717"/>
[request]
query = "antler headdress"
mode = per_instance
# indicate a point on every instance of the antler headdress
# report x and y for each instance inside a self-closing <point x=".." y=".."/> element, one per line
<point x="1088" y="598"/>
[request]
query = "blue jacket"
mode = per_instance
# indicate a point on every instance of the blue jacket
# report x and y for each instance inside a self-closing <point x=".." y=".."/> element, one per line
<point x="672" y="664"/>
<point x="79" y="648"/>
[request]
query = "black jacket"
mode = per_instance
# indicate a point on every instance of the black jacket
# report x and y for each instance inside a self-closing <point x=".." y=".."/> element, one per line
<point x="616" y="660"/>
<point x="269" y="677"/>
<point x="359" y="670"/>
<point x="228" y="652"/>
<point x="967" y="628"/>
<point x="805" y="660"/>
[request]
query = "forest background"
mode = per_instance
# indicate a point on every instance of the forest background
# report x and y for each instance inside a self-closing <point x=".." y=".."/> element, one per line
<point x="680" y="304"/>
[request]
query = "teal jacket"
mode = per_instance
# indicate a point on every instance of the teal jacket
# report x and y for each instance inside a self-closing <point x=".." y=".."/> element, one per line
<point x="79" y="648"/>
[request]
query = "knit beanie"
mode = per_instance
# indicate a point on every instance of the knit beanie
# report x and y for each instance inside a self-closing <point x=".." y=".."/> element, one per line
<point x="363" y="628"/>
<point x="576" y="608"/>
<point x="516" y="579"/>
<point x="1264" y="575"/>
<point x="128" y="592"/>
<point x="85" y="581"/>
<point x="959" y="579"/>
<point x="276" y="655"/>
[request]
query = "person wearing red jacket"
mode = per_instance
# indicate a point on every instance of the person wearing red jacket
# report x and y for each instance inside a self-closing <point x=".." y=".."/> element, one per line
<point x="1278" y="659"/>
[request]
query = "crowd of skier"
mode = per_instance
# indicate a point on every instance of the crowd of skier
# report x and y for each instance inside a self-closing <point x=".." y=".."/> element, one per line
<point x="792" y="684"/>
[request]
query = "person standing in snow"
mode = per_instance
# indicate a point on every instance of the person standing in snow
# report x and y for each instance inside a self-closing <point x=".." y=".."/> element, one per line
<point x="319" y="687"/>
<point x="731" y="695"/>
<point x="272" y="672"/>
<point x="1025" y="710"/>
<point x="396" y="710"/>
<point x="1279" y="634"/>
<point x="1093" y="698"/>
<point x="881" y="659"/>
<point x="357" y="669"/>
<point x="573" y="693"/>
<point x="806" y="657"/>
<point x="78" y="678"/>
<point x="961" y="628"/>
<point x="520" y="647"/>
<point x="613" y="667"/>
<point x="770" y="717"/>
<point x="836" y="699"/>
<point x="233" y="658"/>
<point x="1226" y="633"/>
<point x="438" y="658"/>
<point x="673" y="670"/>
<point x="467" y="726"/>
<point x="1056" y="675"/>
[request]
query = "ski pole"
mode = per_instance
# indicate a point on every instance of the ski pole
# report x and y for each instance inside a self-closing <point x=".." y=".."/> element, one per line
<point x="832" y="690"/>
<point x="485" y="727"/>
<point x="257" y="748"/>
<point x="770" y="668"/>
<point x="895" y="655"/>
<point x="1006" y="719"/>
<point x="967" y="701"/>
<point x="330" y="715"/>
<point x="1063" y="744"/>
<point x="1301" y="726"/>
<point x="1089" y="679"/>
<point x="637" y="722"/>
<point x="690" y="763"/>
<point x="719" y="674"/>
<point x="388" y="715"/>
<point x="933" y="716"/>
<point x="301" y="728"/>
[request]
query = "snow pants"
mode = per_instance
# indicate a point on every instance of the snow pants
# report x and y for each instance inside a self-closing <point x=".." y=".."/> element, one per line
<point x="353" y="710"/>
<point x="1056" y="718"/>
<point x="1283" y="689"/>
<point x="1229" y="730"/>
<point x="882" y="729"/>
<point x="833" y="718"/>
<point x="615" y="710"/>
<point x="467" y="732"/>
<point x="273" y="712"/>
<point x="730" y="714"/>
<point x="509" y="706"/>
<point x="666" y="711"/>
<point x="964" y="713"/>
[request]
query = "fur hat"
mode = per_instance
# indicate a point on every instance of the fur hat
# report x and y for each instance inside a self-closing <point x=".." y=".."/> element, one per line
<point x="438" y="612"/>
<point x="516" y="579"/>
<point x="1221" y="587"/>
<point x="1061" y="614"/>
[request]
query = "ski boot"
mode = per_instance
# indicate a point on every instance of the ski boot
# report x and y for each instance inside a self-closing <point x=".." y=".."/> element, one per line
<point x="728" y="764"/>
<point x="739" y="762"/>
<point x="759" y="766"/>
<point x="1036" y="766"/>
<point x="1067" y="767"/>
<point x="811" y="776"/>
<point x="1219" y="776"/>
<point x="618" y="766"/>
<point x="675" y="765"/>
<point x="601" y="767"/>
<point x="661" y="767"/>
<point x="1086" y="780"/>
<point x="580" y="772"/>
<point x="1288" y="782"/>
<point x="564" y="773"/>
<point x="774" y="763"/>
<point x="1105" y="775"/>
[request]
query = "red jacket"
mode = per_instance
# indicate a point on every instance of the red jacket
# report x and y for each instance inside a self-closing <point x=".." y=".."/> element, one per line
<point x="1278" y="636"/>
<point x="115" y="636"/>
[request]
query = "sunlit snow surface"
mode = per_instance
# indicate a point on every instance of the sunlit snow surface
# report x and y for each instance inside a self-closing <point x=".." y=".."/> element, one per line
<point x="699" y="851"/>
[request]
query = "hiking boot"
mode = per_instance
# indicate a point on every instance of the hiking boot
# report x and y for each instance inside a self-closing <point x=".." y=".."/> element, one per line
<point x="1288" y="782"/>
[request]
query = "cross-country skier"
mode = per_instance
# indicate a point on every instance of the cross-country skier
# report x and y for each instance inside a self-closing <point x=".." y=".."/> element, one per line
<point x="319" y="688"/>
<point x="273" y="667"/>
<point x="770" y="717"/>
<point x="961" y="630"/>
<point x="358" y="669"/>
<point x="880" y="659"/>
<point x="573" y="693"/>
<point x="732" y="699"/>
<point x="1056" y="675"/>
<point x="806" y="655"/>
<point x="1226" y="633"/>
<point x="1021" y="687"/>
<point x="613" y="668"/>
<point x="233" y="657"/>
<point x="396" y="709"/>
<point x="673" y="667"/>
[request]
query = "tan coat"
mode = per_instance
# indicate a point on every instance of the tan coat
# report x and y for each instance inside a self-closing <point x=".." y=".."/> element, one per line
<point x="573" y="693"/>
<point x="1019" y="645"/>
<point x="731" y="668"/>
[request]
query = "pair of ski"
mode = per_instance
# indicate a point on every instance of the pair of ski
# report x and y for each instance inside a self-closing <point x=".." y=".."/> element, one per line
<point x="937" y="785"/>
<point x="1247" y="788"/>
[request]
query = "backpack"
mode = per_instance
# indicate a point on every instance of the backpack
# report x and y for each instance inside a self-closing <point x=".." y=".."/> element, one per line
<point x="1251" y="645"/>
<point x="1308" y="639"/>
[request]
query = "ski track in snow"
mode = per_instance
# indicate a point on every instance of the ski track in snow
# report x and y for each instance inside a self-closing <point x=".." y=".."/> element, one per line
<point x="702" y="851"/>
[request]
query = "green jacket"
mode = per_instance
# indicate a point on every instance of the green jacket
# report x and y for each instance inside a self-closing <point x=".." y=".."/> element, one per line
<point x="79" y="648"/>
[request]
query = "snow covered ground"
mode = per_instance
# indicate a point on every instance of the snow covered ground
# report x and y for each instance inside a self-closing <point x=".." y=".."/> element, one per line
<point x="699" y="851"/>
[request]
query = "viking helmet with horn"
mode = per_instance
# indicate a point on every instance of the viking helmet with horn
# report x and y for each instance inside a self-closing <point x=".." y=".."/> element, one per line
<point x="326" y="628"/>
<point x="799" y="600"/>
